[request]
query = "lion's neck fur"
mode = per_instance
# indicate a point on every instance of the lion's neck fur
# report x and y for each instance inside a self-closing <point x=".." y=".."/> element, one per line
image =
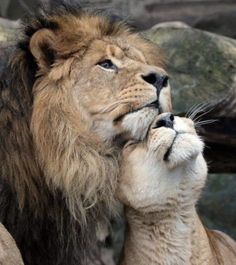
<point x="166" y="238"/>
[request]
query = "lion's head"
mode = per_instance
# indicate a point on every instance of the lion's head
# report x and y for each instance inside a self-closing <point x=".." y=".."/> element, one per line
<point x="95" y="84"/>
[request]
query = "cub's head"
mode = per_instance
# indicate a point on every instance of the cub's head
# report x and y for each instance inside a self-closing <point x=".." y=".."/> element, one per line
<point x="167" y="171"/>
<point x="95" y="85"/>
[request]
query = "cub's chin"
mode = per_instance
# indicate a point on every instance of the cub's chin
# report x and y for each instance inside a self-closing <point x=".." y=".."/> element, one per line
<point x="175" y="142"/>
<point x="184" y="148"/>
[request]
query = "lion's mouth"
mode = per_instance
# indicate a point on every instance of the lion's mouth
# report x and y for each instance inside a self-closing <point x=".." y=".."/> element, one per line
<point x="154" y="105"/>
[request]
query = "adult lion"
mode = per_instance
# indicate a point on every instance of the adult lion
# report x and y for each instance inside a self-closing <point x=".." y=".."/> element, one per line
<point x="71" y="80"/>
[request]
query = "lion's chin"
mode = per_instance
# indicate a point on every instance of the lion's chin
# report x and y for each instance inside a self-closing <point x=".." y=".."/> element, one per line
<point x="138" y="123"/>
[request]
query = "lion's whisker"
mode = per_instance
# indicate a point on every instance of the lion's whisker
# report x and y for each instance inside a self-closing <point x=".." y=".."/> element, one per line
<point x="110" y="107"/>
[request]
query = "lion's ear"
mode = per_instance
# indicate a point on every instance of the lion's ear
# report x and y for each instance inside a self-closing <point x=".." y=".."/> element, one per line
<point x="41" y="47"/>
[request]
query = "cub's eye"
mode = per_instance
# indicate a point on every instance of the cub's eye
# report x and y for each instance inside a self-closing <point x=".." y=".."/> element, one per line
<point x="108" y="65"/>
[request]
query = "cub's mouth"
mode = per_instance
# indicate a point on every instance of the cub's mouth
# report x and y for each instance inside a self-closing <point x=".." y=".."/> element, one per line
<point x="174" y="139"/>
<point x="168" y="151"/>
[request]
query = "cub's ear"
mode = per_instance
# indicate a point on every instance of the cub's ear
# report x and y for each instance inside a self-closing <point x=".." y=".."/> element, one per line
<point x="41" y="47"/>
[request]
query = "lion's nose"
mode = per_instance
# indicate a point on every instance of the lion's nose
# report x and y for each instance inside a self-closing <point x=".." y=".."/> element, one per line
<point x="157" y="80"/>
<point x="165" y="121"/>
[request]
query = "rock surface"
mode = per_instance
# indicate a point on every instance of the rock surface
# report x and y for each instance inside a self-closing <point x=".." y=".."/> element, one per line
<point x="217" y="16"/>
<point x="9" y="252"/>
<point x="217" y="206"/>
<point x="8" y="34"/>
<point x="9" y="31"/>
<point x="202" y="66"/>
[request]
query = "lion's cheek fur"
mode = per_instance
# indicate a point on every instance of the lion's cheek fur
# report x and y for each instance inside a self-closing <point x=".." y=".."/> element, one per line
<point x="72" y="159"/>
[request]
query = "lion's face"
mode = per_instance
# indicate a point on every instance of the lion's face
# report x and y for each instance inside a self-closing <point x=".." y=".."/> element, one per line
<point x="113" y="80"/>
<point x="97" y="82"/>
<point x="106" y="75"/>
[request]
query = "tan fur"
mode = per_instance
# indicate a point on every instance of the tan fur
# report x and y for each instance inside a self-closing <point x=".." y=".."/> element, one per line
<point x="9" y="253"/>
<point x="64" y="119"/>
<point x="76" y="103"/>
<point x="160" y="193"/>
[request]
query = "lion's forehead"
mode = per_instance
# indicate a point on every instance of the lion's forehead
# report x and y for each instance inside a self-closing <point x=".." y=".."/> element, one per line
<point x="99" y="32"/>
<point x="117" y="49"/>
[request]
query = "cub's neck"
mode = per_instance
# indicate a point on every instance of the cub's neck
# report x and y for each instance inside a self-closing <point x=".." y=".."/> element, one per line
<point x="166" y="238"/>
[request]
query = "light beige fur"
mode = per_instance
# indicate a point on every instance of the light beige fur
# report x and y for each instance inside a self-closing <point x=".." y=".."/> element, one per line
<point x="9" y="253"/>
<point x="160" y="193"/>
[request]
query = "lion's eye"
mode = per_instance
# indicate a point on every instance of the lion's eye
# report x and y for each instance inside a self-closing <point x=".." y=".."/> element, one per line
<point x="108" y="65"/>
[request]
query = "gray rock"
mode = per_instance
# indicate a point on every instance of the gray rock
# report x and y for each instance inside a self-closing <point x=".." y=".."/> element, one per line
<point x="170" y="24"/>
<point x="7" y="34"/>
<point x="202" y="65"/>
<point x="217" y="206"/>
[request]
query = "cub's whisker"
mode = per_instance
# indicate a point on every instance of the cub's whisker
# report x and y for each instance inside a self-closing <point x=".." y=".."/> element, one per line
<point x="204" y="122"/>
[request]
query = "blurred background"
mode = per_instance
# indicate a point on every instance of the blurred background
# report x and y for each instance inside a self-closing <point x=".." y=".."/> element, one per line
<point x="217" y="16"/>
<point x="202" y="67"/>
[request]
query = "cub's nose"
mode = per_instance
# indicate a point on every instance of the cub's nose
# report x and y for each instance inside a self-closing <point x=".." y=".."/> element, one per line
<point x="157" y="80"/>
<point x="165" y="121"/>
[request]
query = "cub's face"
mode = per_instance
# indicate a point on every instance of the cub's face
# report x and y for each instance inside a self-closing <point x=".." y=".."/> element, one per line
<point x="118" y="89"/>
<point x="165" y="171"/>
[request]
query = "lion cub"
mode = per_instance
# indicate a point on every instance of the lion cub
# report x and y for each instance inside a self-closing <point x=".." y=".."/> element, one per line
<point x="161" y="181"/>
